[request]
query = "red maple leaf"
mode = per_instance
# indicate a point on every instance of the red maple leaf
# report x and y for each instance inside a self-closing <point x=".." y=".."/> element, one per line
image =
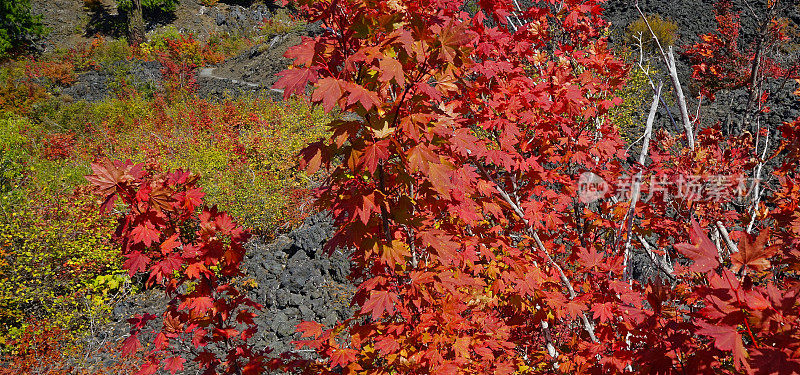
<point x="131" y="345"/>
<point x="194" y="270"/>
<point x="303" y="53"/>
<point x="136" y="262"/>
<point x="148" y="368"/>
<point x="603" y="311"/>
<point x="358" y="94"/>
<point x="329" y="91"/>
<point x="146" y="233"/>
<point x="294" y="81"/>
<point x="753" y="255"/>
<point x="702" y="251"/>
<point x="170" y="263"/>
<point x="441" y="244"/>
<point x="387" y="345"/>
<point x="395" y="253"/>
<point x="309" y="329"/>
<point x="174" y="364"/>
<point x="725" y="338"/>
<point x="170" y="244"/>
<point x="343" y="357"/>
<point x="109" y="177"/>
<point x="440" y="177"/>
<point x="392" y="69"/>
<point x="199" y="304"/>
<point x="574" y="308"/>
<point x="193" y="198"/>
<point x="590" y="258"/>
<point x="379" y="302"/>
<point x="375" y="153"/>
<point x="311" y="157"/>
<point x="161" y="342"/>
<point x="453" y="35"/>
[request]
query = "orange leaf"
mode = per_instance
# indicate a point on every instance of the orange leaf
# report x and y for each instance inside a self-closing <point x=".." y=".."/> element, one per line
<point x="392" y="69"/>
<point x="395" y="253"/>
<point x="329" y="91"/>
<point x="379" y="302"/>
<point x="309" y="329"/>
<point x="726" y="338"/>
<point x="753" y="255"/>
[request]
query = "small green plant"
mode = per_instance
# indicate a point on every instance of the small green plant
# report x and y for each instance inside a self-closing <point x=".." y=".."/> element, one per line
<point x="636" y="94"/>
<point x="12" y="143"/>
<point x="162" y="6"/>
<point x="664" y="30"/>
<point x="281" y="22"/>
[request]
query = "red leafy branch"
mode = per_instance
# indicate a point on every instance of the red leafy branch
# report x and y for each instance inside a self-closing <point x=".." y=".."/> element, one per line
<point x="194" y="253"/>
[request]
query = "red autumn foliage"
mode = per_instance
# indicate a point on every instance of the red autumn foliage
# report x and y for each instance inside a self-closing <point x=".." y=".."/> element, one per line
<point x="193" y="252"/>
<point x="59" y="146"/>
<point x="720" y="63"/>
<point x="457" y="190"/>
<point x="456" y="184"/>
<point x="43" y="349"/>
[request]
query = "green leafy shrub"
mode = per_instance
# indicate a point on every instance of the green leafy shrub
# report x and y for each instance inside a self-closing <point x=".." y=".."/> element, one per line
<point x="19" y="92"/>
<point x="113" y="52"/>
<point x="230" y="44"/>
<point x="18" y="27"/>
<point x="171" y="46"/>
<point x="244" y="148"/>
<point x="631" y="114"/>
<point x="12" y="154"/>
<point x="281" y="22"/>
<point x="27" y="84"/>
<point x="664" y="30"/>
<point x="163" y="6"/>
<point x="53" y="244"/>
<point x="56" y="265"/>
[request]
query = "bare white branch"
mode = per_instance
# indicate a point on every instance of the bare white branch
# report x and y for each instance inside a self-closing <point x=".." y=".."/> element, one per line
<point x="637" y="181"/>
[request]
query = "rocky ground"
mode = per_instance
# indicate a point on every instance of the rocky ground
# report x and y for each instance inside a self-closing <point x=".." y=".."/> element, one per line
<point x="694" y="18"/>
<point x="296" y="281"/>
<point x="291" y="277"/>
<point x="252" y="71"/>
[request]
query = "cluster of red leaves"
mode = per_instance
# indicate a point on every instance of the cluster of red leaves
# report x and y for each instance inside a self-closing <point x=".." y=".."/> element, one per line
<point x="180" y="58"/>
<point x="27" y="82"/>
<point x="62" y="70"/>
<point x="193" y="252"/>
<point x="59" y="146"/>
<point x="455" y="184"/>
<point x="456" y="187"/>
<point x="43" y="349"/>
<point x="719" y="63"/>
<point x="61" y="73"/>
<point x="38" y="351"/>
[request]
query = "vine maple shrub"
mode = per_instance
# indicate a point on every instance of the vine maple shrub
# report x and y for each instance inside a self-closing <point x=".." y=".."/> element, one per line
<point x="193" y="252"/>
<point x="456" y="186"/>
<point x="719" y="62"/>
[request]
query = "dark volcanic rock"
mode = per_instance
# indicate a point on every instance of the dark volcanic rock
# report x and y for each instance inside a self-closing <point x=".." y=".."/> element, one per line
<point x="308" y="285"/>
<point x="96" y="85"/>
<point x="693" y="17"/>
<point x="297" y="281"/>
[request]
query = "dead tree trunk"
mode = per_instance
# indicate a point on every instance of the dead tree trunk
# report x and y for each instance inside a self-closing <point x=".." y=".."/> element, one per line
<point x="136" y="24"/>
